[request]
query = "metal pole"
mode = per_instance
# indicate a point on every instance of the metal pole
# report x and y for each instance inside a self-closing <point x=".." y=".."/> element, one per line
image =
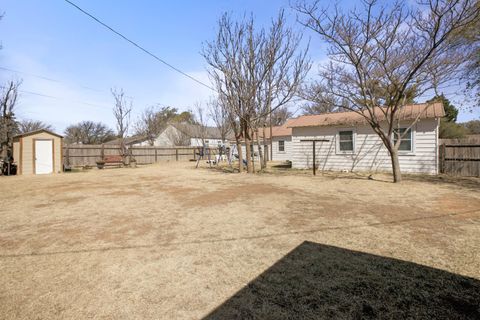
<point x="314" y="162"/>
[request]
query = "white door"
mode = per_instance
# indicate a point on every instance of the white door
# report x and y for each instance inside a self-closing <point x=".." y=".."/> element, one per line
<point x="43" y="156"/>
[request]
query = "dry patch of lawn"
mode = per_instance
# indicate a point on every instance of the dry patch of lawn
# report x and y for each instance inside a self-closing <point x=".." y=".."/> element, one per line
<point x="169" y="241"/>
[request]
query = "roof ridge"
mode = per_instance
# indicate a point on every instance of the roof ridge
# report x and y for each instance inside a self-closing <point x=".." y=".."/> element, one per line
<point x="350" y="111"/>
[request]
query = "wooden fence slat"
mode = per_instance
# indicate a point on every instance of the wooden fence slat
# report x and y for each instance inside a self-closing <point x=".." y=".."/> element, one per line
<point x="88" y="155"/>
<point x="460" y="159"/>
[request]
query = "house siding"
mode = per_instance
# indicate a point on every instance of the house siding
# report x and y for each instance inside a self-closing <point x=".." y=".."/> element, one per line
<point x="279" y="155"/>
<point x="370" y="153"/>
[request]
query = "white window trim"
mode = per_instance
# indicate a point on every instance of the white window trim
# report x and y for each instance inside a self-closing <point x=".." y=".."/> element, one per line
<point x="284" y="147"/>
<point x="407" y="152"/>
<point x="337" y="141"/>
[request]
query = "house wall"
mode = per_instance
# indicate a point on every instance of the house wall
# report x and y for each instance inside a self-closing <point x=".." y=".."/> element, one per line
<point x="370" y="153"/>
<point x="282" y="155"/>
<point x="27" y="156"/>
<point x="212" y="142"/>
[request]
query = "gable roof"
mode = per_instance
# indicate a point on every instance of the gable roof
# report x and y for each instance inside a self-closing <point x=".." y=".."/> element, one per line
<point x="36" y="132"/>
<point x="127" y="140"/>
<point x="194" y="130"/>
<point x="408" y="112"/>
<point x="278" y="131"/>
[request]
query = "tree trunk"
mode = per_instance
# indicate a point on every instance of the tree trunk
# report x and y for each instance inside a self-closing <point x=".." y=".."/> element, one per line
<point x="397" y="175"/>
<point x="260" y="153"/>
<point x="248" y="150"/>
<point x="240" y="157"/>
<point x="265" y="150"/>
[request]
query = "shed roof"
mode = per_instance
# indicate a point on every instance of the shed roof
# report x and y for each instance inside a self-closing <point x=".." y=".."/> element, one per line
<point x="25" y="134"/>
<point x="408" y="112"/>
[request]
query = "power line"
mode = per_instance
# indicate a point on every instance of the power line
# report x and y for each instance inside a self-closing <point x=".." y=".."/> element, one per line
<point x="139" y="46"/>
<point x="58" y="98"/>
<point x="46" y="78"/>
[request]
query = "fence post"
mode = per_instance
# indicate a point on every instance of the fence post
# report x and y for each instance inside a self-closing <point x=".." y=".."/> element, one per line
<point x="156" y="156"/>
<point x="194" y="154"/>
<point x="442" y="158"/>
<point x="67" y="156"/>
<point x="176" y="154"/>
<point x="102" y="151"/>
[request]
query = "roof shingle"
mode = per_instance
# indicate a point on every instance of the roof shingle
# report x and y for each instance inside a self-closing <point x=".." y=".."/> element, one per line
<point x="408" y="112"/>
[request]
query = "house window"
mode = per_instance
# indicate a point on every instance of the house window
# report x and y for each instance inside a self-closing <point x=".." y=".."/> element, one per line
<point x="406" y="143"/>
<point x="346" y="141"/>
<point x="281" y="146"/>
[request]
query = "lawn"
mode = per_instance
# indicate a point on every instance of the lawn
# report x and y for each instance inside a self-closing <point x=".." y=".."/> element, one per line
<point x="173" y="242"/>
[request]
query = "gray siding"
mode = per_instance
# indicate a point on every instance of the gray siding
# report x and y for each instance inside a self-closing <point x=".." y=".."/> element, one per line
<point x="285" y="155"/>
<point x="369" y="152"/>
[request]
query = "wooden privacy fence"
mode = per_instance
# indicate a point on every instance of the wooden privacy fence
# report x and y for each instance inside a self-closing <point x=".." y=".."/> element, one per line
<point x="88" y="155"/>
<point x="460" y="159"/>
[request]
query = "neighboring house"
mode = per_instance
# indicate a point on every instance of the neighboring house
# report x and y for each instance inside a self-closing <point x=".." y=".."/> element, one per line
<point x="184" y="134"/>
<point x="281" y="142"/>
<point x="129" y="141"/>
<point x="353" y="145"/>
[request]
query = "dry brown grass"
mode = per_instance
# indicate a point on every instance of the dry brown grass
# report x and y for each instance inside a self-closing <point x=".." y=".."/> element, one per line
<point x="168" y="241"/>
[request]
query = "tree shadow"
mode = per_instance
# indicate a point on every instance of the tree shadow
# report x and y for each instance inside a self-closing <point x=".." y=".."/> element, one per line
<point x="316" y="281"/>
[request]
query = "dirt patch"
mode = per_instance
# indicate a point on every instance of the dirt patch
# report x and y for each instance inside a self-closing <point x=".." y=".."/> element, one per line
<point x="232" y="194"/>
<point x="169" y="241"/>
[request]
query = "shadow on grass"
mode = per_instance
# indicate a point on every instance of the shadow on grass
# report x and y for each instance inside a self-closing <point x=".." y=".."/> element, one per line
<point x="316" y="281"/>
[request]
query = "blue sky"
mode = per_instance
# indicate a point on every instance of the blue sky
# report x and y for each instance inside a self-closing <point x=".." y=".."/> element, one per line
<point x="52" y="39"/>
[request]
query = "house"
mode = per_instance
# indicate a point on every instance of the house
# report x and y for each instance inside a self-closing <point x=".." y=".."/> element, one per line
<point x="281" y="142"/>
<point x="129" y="141"/>
<point x="185" y="134"/>
<point x="353" y="145"/>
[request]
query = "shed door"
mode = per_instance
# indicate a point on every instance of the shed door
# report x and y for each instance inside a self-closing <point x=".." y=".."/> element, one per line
<point x="43" y="156"/>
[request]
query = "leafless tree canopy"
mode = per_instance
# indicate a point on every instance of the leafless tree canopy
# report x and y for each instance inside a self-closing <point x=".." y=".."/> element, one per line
<point x="8" y="125"/>
<point x="255" y="71"/>
<point x="219" y="114"/>
<point x="153" y="121"/>
<point x="25" y="126"/>
<point x="88" y="132"/>
<point x="387" y="54"/>
<point x="121" y="112"/>
<point x="281" y="115"/>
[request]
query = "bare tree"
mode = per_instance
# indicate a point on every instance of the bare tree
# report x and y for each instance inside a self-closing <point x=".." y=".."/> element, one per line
<point x="88" y="132"/>
<point x="383" y="55"/>
<point x="26" y="125"/>
<point x="280" y="116"/>
<point x="255" y="72"/>
<point x="219" y="115"/>
<point x="8" y="125"/>
<point x="122" y="111"/>
<point x="317" y="101"/>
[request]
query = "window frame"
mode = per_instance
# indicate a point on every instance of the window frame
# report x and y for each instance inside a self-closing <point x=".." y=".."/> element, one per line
<point x="412" y="140"/>
<point x="283" y="146"/>
<point x="337" y="139"/>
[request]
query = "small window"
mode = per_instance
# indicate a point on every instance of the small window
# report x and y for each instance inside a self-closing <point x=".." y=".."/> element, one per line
<point x="406" y="143"/>
<point x="281" y="146"/>
<point x="346" y="141"/>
